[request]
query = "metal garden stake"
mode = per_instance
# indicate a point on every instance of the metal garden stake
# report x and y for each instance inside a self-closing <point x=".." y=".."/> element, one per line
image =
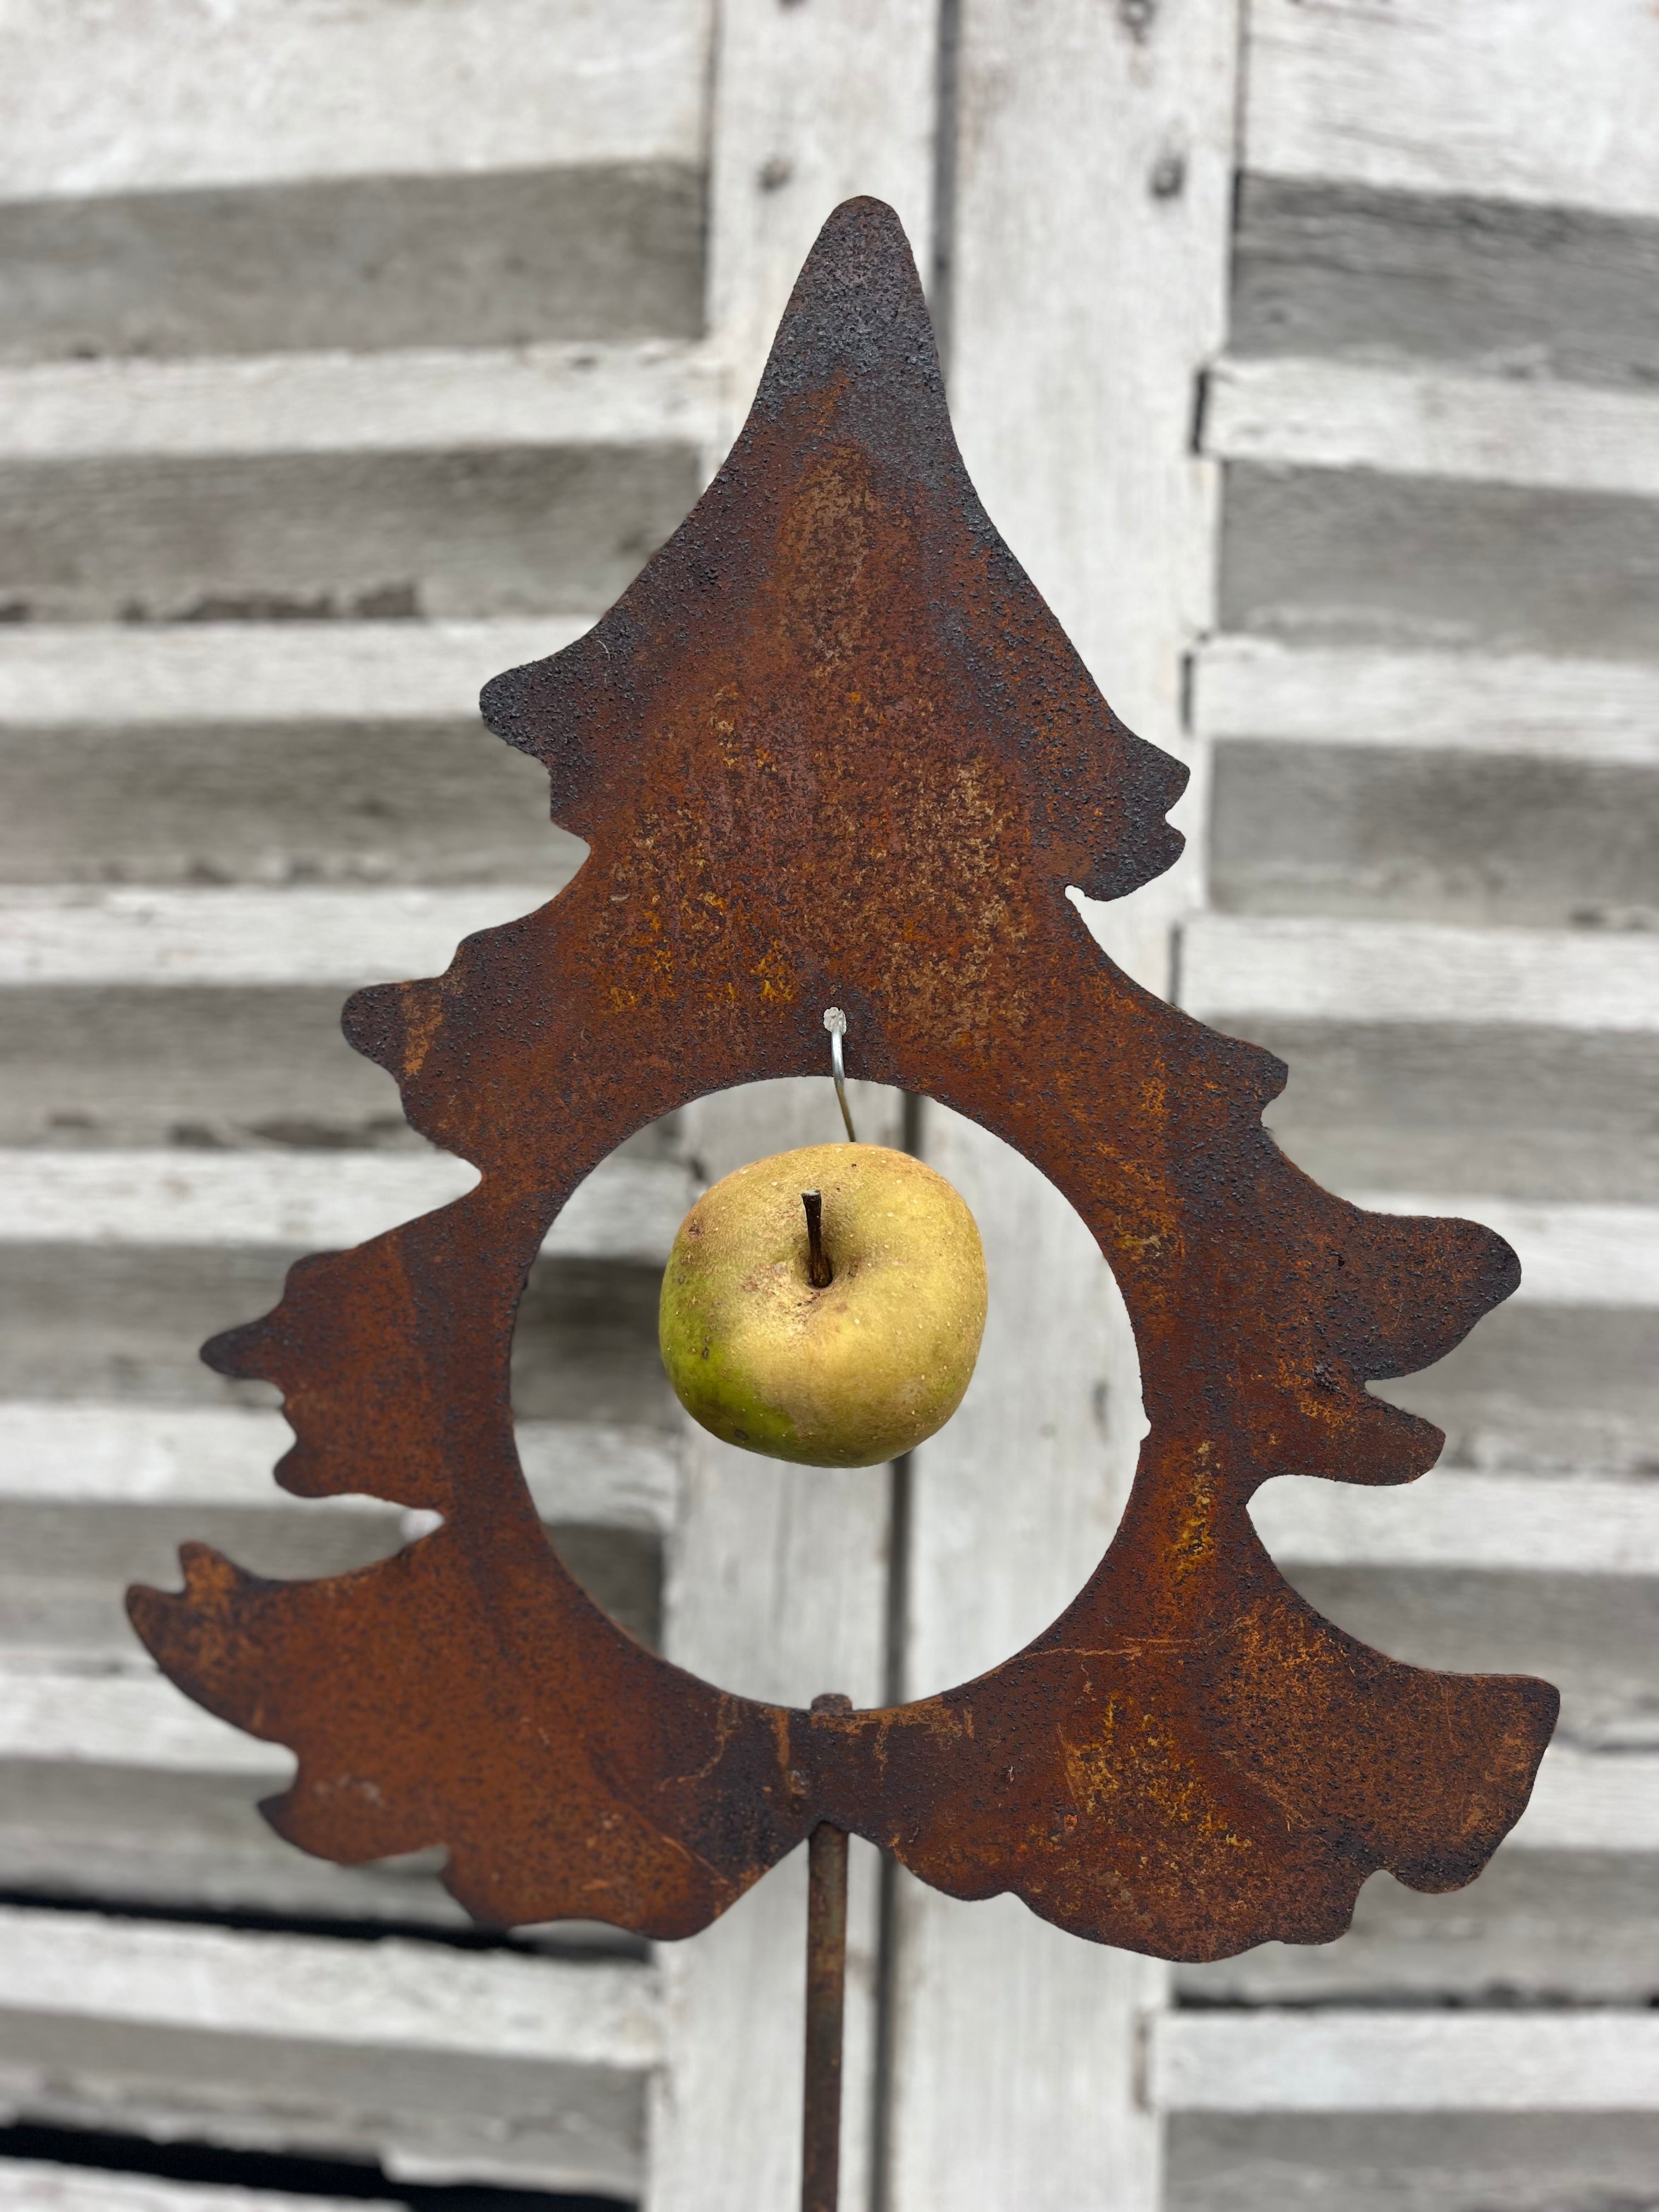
<point x="832" y="749"/>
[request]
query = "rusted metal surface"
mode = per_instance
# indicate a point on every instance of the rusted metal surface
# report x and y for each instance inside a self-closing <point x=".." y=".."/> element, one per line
<point x="832" y="748"/>
<point x="826" y="2003"/>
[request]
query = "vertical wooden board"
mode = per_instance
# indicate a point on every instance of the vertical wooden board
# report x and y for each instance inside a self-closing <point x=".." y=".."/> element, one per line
<point x="1013" y="2043"/>
<point x="777" y="1587"/>
<point x="777" y="1582"/>
<point x="1518" y="100"/>
<point x="812" y="104"/>
<point x="1090" y="251"/>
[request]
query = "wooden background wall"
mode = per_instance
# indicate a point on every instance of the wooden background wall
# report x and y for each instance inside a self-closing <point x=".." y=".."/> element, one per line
<point x="353" y="349"/>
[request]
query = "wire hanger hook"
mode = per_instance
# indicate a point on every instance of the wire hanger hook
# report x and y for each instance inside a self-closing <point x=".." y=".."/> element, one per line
<point x="836" y="1021"/>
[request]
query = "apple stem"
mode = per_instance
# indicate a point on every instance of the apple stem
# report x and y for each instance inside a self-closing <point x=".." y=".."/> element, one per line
<point x="819" y="1272"/>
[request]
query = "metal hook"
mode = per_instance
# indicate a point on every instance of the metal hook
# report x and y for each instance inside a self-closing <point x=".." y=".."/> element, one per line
<point x="836" y="1021"/>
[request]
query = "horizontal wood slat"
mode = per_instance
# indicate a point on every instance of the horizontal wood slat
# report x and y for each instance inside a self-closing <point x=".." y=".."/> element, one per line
<point x="1507" y="98"/>
<point x="1320" y="968"/>
<point x="1274" y="2061"/>
<point x="1423" y="422"/>
<point x="657" y="392"/>
<point x="33" y="2185"/>
<point x="481" y="2065"/>
<point x="391" y="1992"/>
<point x="1519" y="704"/>
<point x="156" y="936"/>
<point x="1571" y="1256"/>
<point x="95" y="100"/>
<point x="627" y="1209"/>
<point x="125" y="1720"/>
<point x="1587" y="1800"/>
<point x="595" y="1473"/>
<point x="1496" y="1524"/>
<point x="126" y="674"/>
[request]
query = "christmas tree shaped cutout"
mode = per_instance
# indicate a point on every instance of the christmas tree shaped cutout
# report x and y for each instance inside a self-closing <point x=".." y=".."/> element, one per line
<point x="831" y="748"/>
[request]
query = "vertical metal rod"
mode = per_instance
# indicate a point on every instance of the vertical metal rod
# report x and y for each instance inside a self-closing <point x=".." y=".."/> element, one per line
<point x="826" y="1999"/>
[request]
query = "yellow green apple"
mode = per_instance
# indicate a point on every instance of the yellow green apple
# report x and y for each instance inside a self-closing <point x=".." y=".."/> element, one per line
<point x="846" y="1371"/>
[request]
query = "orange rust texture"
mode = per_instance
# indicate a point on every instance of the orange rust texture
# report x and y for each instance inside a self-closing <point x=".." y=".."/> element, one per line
<point x="832" y="748"/>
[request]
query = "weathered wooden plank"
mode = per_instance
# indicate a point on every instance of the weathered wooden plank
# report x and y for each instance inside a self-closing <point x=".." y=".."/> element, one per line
<point x="1340" y="269"/>
<point x="1438" y="2162"/>
<point x="1396" y="834"/>
<point x="119" y="675"/>
<point x="168" y="95"/>
<point x="604" y="251"/>
<point x="627" y="1209"/>
<point x="156" y="936"/>
<point x="311" y="802"/>
<point x="29" y="2185"/>
<point x="1091" y="176"/>
<point x="121" y="1323"/>
<point x="1571" y="1256"/>
<point x="656" y="392"/>
<point x="1561" y="1114"/>
<point x="1513" y="704"/>
<point x="777" y="1587"/>
<point x="777" y="1582"/>
<point x="1429" y="422"/>
<point x="600" y="1474"/>
<point x="137" y="1720"/>
<point x="1587" y="1800"/>
<point x="800" y="122"/>
<point x="1408" y="971"/>
<point x="400" y="1995"/>
<point x="1008" y="2033"/>
<point x="1537" y="1928"/>
<point x="1074" y="411"/>
<point x="1358" y="556"/>
<point x="1496" y="1523"/>
<point x="490" y="531"/>
<point x="1425" y="2062"/>
<point x="486" y="2065"/>
<point x="1513" y="100"/>
<point x="1541" y="1387"/>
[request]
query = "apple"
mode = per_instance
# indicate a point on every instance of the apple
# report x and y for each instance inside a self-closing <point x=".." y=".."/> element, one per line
<point x="824" y="1305"/>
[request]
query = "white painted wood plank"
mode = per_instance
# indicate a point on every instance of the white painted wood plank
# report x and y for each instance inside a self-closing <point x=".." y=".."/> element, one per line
<point x="1503" y="99"/>
<point x="1274" y="2060"/>
<point x="812" y="106"/>
<point x="230" y="672"/>
<point x="1588" y="1801"/>
<point x="627" y="1209"/>
<point x="1315" y="969"/>
<point x="125" y="1720"/>
<point x="657" y="392"/>
<point x="1424" y="422"/>
<point x="1489" y="1523"/>
<point x="594" y="1474"/>
<point x="33" y="2185"/>
<point x="778" y="1579"/>
<point x="1520" y="704"/>
<point x="449" y="2064"/>
<point x="1014" y="2041"/>
<point x="153" y="936"/>
<point x="101" y="100"/>
<point x="1085" y="306"/>
<point x="776" y="1587"/>
<point x="394" y="1993"/>
<point x="1093" y="178"/>
<point x="1571" y="1256"/>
